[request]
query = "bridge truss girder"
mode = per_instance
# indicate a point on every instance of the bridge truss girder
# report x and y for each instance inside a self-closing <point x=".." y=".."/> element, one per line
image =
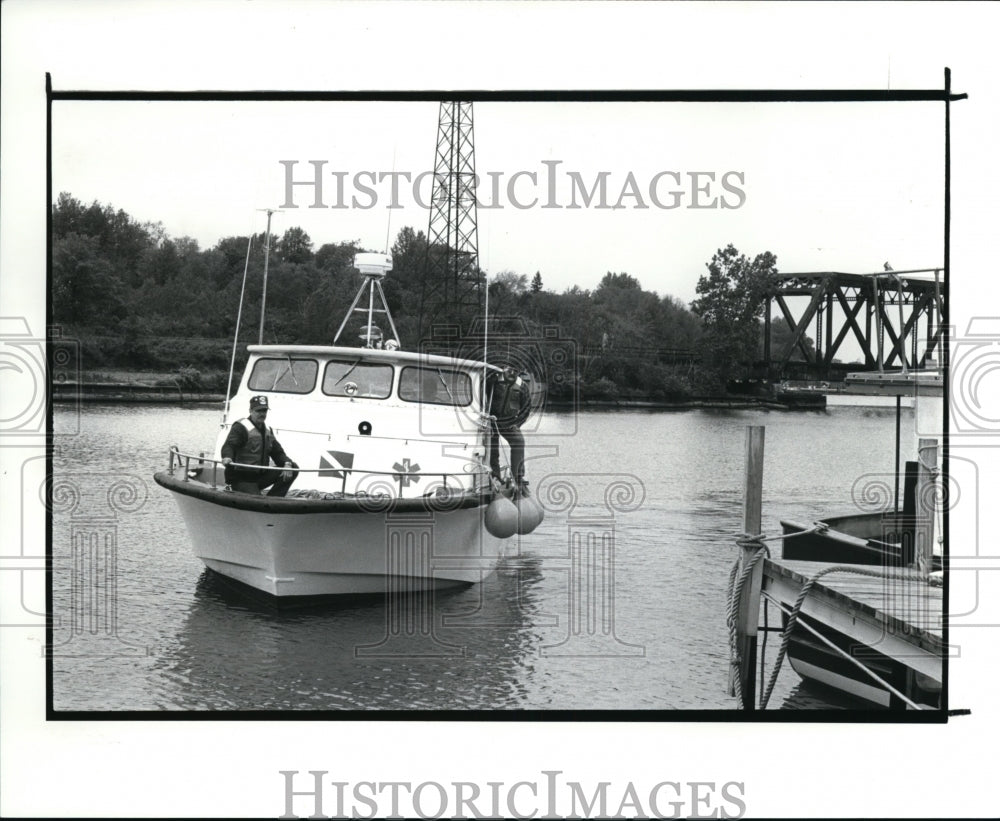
<point x="856" y="296"/>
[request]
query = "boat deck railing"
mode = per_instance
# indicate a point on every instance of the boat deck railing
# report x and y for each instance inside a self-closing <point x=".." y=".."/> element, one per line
<point x="179" y="460"/>
<point x="465" y="444"/>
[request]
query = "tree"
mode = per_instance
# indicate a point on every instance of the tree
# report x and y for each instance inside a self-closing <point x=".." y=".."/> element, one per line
<point x="337" y="257"/>
<point x="403" y="287"/>
<point x="622" y="281"/>
<point x="730" y="304"/>
<point x="676" y="326"/>
<point x="163" y="263"/>
<point x="295" y="246"/>
<point x="409" y="252"/>
<point x="506" y="292"/>
<point x="115" y="277"/>
<point x="84" y="291"/>
<point x="67" y="216"/>
<point x="232" y="257"/>
<point x="781" y="335"/>
<point x="120" y="240"/>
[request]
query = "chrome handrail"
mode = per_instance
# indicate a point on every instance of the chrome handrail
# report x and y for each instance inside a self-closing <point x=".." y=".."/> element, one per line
<point x="177" y="458"/>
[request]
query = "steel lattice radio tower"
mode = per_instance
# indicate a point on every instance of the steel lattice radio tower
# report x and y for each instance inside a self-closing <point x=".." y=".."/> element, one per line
<point x="452" y="284"/>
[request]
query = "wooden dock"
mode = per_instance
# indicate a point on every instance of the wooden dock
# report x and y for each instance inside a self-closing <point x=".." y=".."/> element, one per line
<point x="899" y="618"/>
<point x="873" y="630"/>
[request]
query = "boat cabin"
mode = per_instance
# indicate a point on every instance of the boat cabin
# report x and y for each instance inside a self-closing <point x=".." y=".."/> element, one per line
<point x="368" y="421"/>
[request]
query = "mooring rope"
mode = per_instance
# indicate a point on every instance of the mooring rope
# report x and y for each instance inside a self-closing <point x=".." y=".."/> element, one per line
<point x="735" y="589"/>
<point x="735" y="593"/>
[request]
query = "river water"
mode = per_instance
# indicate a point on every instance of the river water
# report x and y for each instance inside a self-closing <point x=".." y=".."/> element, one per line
<point x="170" y="636"/>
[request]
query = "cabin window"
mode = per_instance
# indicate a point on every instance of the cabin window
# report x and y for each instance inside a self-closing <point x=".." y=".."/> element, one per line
<point x="370" y="380"/>
<point x="283" y="375"/>
<point x="435" y="386"/>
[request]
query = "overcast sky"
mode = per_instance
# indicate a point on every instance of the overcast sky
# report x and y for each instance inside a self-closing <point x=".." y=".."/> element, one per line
<point x="824" y="186"/>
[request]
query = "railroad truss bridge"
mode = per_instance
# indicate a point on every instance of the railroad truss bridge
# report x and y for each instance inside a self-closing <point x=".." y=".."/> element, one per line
<point x="895" y="318"/>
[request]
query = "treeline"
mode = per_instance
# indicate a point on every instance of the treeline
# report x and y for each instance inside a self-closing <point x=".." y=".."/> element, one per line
<point x="140" y="300"/>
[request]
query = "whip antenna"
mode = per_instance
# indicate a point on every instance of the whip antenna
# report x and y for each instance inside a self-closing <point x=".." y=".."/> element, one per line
<point x="388" y="219"/>
<point x="236" y="333"/>
<point x="267" y="255"/>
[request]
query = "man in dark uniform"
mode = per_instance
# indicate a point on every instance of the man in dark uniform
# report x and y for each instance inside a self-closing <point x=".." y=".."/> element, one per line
<point x="510" y="404"/>
<point x="252" y="442"/>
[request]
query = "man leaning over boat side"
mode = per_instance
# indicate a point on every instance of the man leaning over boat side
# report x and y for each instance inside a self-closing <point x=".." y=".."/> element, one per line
<point x="252" y="442"/>
<point x="510" y="404"/>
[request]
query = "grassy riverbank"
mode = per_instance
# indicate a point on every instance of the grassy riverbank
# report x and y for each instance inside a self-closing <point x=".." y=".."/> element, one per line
<point x="186" y="377"/>
<point x="189" y="386"/>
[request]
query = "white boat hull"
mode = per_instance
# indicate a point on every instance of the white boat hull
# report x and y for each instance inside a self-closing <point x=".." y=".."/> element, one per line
<point x="306" y="551"/>
<point x="814" y="662"/>
<point x="845" y="684"/>
<point x="861" y="540"/>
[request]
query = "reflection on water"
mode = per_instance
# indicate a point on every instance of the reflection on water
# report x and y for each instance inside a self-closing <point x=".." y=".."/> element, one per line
<point x="463" y="648"/>
<point x="615" y="602"/>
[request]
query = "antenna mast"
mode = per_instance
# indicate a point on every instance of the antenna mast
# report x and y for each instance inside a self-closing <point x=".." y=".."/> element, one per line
<point x="374" y="267"/>
<point x="452" y="283"/>
<point x="267" y="255"/>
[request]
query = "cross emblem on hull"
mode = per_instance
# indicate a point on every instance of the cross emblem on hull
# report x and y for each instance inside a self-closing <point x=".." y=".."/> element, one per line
<point x="405" y="472"/>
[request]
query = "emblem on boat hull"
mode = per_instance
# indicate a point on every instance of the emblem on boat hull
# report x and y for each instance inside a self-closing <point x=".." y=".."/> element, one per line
<point x="404" y="472"/>
<point x="334" y="462"/>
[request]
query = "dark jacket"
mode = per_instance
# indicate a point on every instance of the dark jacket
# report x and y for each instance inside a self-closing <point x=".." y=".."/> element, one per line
<point x="510" y="402"/>
<point x="251" y="445"/>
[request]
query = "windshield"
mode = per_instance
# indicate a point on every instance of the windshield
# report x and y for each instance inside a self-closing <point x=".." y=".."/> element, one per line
<point x="435" y="386"/>
<point x="369" y="380"/>
<point x="283" y="375"/>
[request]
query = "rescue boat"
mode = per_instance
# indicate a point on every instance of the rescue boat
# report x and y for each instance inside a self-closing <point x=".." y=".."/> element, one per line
<point x="393" y="491"/>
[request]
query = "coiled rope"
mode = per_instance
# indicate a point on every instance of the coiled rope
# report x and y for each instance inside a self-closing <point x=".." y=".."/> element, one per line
<point x="737" y="581"/>
<point x="735" y="592"/>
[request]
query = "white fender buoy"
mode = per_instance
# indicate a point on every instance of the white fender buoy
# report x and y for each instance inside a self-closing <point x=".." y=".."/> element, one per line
<point x="501" y="518"/>
<point x="529" y="514"/>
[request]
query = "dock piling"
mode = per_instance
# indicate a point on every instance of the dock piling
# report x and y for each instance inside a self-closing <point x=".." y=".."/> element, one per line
<point x="927" y="463"/>
<point x="748" y="612"/>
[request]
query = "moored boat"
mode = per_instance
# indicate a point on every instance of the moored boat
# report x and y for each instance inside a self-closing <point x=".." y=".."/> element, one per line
<point x="392" y="483"/>
<point x="871" y="623"/>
